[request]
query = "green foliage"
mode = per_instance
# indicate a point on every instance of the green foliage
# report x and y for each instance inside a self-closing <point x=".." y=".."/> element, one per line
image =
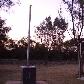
<point x="51" y="33"/>
<point x="60" y="23"/>
<point x="71" y="45"/>
<point x="81" y="2"/>
<point x="37" y="52"/>
<point x="76" y="8"/>
<point x="3" y="30"/>
<point x="8" y="3"/>
<point x="3" y="37"/>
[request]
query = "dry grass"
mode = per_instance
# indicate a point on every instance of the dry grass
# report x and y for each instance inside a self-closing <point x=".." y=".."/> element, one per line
<point x="51" y="73"/>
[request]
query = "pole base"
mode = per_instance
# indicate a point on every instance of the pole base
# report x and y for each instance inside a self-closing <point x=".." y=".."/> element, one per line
<point x="29" y="74"/>
<point x="81" y="78"/>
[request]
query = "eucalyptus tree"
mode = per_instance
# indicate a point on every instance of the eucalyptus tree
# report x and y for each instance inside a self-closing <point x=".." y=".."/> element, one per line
<point x="76" y="8"/>
<point x="51" y="33"/>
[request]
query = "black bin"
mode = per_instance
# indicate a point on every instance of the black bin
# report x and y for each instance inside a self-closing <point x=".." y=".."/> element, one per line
<point x="29" y="75"/>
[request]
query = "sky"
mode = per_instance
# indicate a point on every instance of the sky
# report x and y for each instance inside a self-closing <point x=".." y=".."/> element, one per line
<point x="17" y="16"/>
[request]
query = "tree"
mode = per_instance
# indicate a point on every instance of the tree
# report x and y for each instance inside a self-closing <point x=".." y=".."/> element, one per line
<point x="10" y="44"/>
<point x="3" y="32"/>
<point x="8" y="3"/>
<point x="3" y="29"/>
<point x="76" y="8"/>
<point x="3" y="37"/>
<point x="51" y="33"/>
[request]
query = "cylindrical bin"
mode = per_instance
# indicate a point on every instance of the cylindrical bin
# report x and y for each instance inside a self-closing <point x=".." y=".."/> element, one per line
<point x="29" y="74"/>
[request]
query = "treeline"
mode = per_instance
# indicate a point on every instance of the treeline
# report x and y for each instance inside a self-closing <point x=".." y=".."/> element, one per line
<point x="37" y="52"/>
<point x="52" y="46"/>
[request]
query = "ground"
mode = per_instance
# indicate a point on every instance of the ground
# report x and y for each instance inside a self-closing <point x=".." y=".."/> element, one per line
<point x="52" y="73"/>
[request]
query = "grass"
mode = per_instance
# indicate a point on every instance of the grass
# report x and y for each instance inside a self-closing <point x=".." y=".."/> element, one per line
<point x="53" y="73"/>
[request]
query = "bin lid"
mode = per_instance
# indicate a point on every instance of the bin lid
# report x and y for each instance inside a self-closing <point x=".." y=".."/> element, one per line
<point x="28" y="66"/>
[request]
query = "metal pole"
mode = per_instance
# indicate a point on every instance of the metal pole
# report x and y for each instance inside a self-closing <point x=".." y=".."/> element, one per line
<point x="80" y="58"/>
<point x="28" y="48"/>
<point x="78" y="47"/>
<point x="29" y="72"/>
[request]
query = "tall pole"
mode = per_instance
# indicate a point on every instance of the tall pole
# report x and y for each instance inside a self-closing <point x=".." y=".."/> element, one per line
<point x="28" y="48"/>
<point x="80" y="58"/>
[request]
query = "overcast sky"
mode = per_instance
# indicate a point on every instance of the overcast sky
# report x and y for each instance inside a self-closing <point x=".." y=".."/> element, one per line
<point x="18" y="16"/>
